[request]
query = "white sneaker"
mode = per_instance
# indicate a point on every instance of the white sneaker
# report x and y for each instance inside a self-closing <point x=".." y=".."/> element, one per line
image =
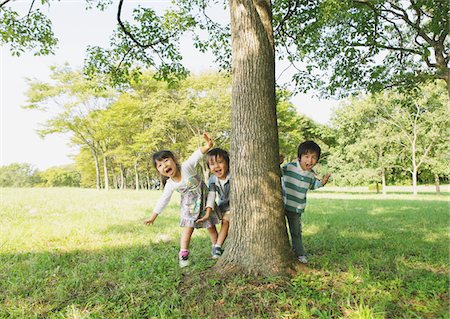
<point x="302" y="259"/>
<point x="183" y="262"/>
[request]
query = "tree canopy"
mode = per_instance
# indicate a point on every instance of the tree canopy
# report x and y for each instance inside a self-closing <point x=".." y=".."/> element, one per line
<point x="336" y="47"/>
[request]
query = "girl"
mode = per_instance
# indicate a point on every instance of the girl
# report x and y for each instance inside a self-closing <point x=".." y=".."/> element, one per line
<point x="192" y="189"/>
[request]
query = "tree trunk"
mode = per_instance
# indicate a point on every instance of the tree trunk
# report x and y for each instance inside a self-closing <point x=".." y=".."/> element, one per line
<point x="383" y="181"/>
<point x="136" y="175"/>
<point x="258" y="240"/>
<point x="437" y="184"/>
<point x="105" y="172"/>
<point x="97" y="168"/>
<point x="122" y="177"/>
<point x="148" y="179"/>
<point x="414" y="180"/>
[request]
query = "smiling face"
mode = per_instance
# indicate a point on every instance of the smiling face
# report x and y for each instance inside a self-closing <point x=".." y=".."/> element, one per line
<point x="167" y="167"/>
<point x="218" y="166"/>
<point x="308" y="161"/>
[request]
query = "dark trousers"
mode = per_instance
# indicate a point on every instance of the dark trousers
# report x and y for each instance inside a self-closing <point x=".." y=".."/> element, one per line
<point x="295" y="229"/>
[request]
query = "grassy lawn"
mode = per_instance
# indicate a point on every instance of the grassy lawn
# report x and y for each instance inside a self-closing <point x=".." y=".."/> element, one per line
<point x="79" y="253"/>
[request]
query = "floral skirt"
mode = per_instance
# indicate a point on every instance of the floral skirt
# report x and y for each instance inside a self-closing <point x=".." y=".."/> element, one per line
<point x="193" y="207"/>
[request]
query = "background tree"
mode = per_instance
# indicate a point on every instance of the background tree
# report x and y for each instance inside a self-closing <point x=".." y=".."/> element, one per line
<point x="74" y="98"/>
<point x="419" y="122"/>
<point x="18" y="175"/>
<point x="390" y="131"/>
<point x="61" y="176"/>
<point x="365" y="149"/>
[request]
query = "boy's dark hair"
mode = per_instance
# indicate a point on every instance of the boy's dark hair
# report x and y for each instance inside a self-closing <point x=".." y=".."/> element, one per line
<point x="159" y="156"/>
<point x="213" y="153"/>
<point x="308" y="147"/>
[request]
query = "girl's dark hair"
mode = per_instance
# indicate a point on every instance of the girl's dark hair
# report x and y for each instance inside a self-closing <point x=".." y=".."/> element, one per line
<point x="159" y="156"/>
<point x="218" y="152"/>
<point x="308" y="147"/>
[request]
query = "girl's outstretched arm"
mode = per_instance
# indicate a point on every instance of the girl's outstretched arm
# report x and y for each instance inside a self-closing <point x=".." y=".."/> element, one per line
<point x="209" y="143"/>
<point x="151" y="219"/>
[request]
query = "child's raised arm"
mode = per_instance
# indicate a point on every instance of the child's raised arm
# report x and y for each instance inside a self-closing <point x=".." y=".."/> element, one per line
<point x="325" y="179"/>
<point x="209" y="143"/>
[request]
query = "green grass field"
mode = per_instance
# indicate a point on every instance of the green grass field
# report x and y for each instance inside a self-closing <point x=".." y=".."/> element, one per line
<point x="80" y="253"/>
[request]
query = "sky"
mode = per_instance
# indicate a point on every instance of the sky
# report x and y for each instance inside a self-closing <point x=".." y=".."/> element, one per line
<point x="76" y="28"/>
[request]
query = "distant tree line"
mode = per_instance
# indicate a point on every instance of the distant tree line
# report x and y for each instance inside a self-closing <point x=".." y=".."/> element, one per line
<point x="385" y="138"/>
<point x="24" y="175"/>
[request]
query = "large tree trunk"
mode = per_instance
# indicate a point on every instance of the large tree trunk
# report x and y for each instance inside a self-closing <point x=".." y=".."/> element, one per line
<point x="258" y="240"/>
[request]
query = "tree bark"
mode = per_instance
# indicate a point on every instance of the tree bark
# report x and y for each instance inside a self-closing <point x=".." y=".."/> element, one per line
<point x="258" y="242"/>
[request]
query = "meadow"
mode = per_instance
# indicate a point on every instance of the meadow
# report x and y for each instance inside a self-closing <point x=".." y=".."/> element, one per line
<point x="83" y="253"/>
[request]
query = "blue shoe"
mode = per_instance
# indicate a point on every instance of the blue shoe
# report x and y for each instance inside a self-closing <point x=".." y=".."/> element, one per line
<point x="216" y="252"/>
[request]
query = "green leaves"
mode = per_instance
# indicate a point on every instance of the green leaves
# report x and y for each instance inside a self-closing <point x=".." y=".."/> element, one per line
<point x="32" y="32"/>
<point x="364" y="45"/>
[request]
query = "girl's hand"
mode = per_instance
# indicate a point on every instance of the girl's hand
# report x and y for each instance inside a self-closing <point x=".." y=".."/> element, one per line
<point x="151" y="219"/>
<point x="209" y="143"/>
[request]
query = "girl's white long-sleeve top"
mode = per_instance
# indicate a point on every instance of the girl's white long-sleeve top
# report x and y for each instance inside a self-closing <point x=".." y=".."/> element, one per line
<point x="187" y="169"/>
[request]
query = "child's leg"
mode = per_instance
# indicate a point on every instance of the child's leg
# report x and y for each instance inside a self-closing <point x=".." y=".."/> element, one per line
<point x="295" y="229"/>
<point x="213" y="234"/>
<point x="186" y="237"/>
<point x="183" y="256"/>
<point x="223" y="230"/>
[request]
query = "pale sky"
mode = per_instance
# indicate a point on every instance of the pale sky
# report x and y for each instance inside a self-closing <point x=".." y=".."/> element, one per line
<point x="77" y="28"/>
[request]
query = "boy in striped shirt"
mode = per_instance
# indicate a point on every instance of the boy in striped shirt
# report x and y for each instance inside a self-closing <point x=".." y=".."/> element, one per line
<point x="297" y="178"/>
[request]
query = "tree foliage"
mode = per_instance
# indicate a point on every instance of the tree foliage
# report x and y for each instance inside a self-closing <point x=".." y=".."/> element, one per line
<point x="18" y="175"/>
<point x="387" y="132"/>
<point x="369" y="45"/>
<point x="61" y="176"/>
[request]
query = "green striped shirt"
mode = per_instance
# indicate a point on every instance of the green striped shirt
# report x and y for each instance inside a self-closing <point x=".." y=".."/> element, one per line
<point x="296" y="183"/>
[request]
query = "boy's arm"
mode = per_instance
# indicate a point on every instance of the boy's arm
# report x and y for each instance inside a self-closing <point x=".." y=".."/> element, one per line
<point x="206" y="216"/>
<point x="210" y="201"/>
<point x="325" y="179"/>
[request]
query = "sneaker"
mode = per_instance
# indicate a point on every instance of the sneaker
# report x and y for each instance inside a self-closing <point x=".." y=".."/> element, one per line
<point x="183" y="259"/>
<point x="216" y="252"/>
<point x="302" y="259"/>
<point x="183" y="262"/>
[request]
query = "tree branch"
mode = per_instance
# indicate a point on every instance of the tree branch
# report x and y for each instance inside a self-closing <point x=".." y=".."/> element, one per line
<point x="4" y="3"/>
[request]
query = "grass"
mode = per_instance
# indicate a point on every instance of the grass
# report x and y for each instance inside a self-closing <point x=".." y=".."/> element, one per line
<point x="79" y="253"/>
